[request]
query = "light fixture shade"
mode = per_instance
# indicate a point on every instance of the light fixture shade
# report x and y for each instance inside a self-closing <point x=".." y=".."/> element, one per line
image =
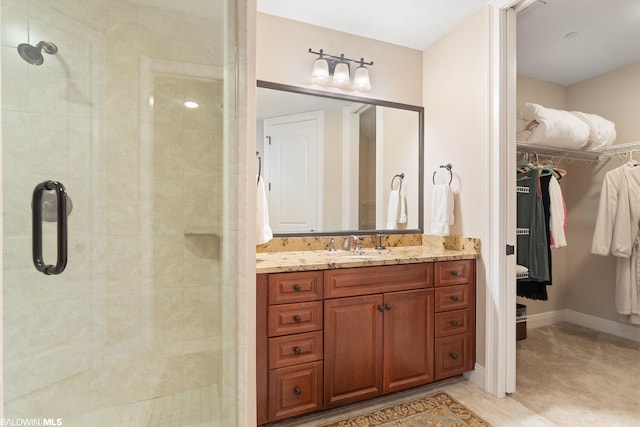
<point x="341" y="75"/>
<point x="320" y="73"/>
<point x="361" y="80"/>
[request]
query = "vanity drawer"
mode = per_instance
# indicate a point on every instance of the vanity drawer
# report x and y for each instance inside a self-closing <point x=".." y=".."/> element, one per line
<point x="372" y="280"/>
<point x="295" y="349"/>
<point x="454" y="272"/>
<point x="295" y="287"/>
<point x="294" y="318"/>
<point x="453" y="298"/>
<point x="453" y="356"/>
<point x="295" y="390"/>
<point x="453" y="322"/>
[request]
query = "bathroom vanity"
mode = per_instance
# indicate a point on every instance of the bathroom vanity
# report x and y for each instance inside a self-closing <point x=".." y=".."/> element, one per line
<point x="334" y="329"/>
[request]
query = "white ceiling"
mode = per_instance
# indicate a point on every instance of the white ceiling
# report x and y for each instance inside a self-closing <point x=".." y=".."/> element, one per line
<point x="608" y="31"/>
<point x="607" y="36"/>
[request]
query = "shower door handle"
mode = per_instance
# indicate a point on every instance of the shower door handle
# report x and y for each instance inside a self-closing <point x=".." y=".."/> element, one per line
<point x="36" y="208"/>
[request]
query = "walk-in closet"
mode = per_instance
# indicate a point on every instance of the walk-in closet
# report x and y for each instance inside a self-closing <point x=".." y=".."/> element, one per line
<point x="578" y="168"/>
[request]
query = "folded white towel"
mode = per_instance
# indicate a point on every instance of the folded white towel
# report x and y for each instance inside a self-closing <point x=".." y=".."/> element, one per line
<point x="264" y="233"/>
<point x="397" y="209"/>
<point x="441" y="209"/>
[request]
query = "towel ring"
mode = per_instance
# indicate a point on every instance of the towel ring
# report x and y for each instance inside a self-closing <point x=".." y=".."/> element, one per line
<point x="401" y="176"/>
<point x="448" y="167"/>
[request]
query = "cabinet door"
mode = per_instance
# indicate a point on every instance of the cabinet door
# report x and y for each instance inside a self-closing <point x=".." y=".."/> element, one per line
<point x="352" y="349"/>
<point x="408" y="339"/>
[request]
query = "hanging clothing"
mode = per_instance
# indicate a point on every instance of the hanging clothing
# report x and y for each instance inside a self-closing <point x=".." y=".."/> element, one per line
<point x="558" y="214"/>
<point x="535" y="287"/>
<point x="617" y="233"/>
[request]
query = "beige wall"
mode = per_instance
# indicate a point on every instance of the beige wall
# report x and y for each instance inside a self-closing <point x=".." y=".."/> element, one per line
<point x="455" y="99"/>
<point x="282" y="56"/>
<point x="613" y="95"/>
<point x="581" y="281"/>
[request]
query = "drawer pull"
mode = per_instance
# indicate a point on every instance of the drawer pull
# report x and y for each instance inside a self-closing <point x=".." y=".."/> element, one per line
<point x="387" y="307"/>
<point x="297" y="319"/>
<point x="454" y="356"/>
<point x="297" y="391"/>
<point x="454" y="273"/>
<point x="454" y="323"/>
<point x="297" y="350"/>
<point x="454" y="297"/>
<point x="297" y="288"/>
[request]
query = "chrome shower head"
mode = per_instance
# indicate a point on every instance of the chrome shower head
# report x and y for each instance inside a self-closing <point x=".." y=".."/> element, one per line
<point x="33" y="54"/>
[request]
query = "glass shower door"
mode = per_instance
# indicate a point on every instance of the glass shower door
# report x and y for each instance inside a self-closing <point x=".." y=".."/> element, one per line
<point x="120" y="104"/>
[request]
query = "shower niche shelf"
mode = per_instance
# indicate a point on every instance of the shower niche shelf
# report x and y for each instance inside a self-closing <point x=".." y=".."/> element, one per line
<point x="194" y="230"/>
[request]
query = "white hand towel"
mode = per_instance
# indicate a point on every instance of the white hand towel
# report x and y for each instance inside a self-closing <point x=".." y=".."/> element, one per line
<point x="264" y="233"/>
<point x="402" y="215"/>
<point x="441" y="209"/>
<point x="393" y="210"/>
<point x="397" y="209"/>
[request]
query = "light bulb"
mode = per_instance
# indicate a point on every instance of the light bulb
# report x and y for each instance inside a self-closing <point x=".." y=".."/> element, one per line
<point x="320" y="73"/>
<point x="361" y="79"/>
<point x="341" y="75"/>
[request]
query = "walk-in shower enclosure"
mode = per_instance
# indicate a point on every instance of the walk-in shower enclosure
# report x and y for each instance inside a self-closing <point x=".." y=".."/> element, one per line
<point x="138" y="329"/>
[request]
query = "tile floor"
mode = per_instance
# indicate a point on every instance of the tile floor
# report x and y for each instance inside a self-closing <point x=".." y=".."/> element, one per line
<point x="193" y="408"/>
<point x="497" y="412"/>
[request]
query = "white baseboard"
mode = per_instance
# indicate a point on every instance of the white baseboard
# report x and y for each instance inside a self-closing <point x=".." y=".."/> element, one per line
<point x="545" y="319"/>
<point x="478" y="376"/>
<point x="622" y="330"/>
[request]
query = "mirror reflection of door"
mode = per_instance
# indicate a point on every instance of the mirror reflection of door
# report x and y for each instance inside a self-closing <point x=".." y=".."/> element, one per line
<point x="367" y="181"/>
<point x="292" y="154"/>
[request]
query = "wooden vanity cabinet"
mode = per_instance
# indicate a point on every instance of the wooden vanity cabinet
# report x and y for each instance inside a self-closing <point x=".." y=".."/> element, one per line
<point x="454" y="318"/>
<point x="289" y="344"/>
<point x="332" y="337"/>
<point x="380" y="342"/>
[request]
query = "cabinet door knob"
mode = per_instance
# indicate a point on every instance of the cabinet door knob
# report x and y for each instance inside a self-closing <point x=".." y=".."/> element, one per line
<point x="454" y="297"/>
<point x="387" y="307"/>
<point x="454" y="323"/>
<point x="297" y="319"/>
<point x="297" y="288"/>
<point x="454" y="356"/>
<point x="381" y="308"/>
<point x="297" y="350"/>
<point x="297" y="391"/>
<point x="454" y="273"/>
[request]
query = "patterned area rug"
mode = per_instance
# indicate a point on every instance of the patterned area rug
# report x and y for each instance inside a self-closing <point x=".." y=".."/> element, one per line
<point x="436" y="410"/>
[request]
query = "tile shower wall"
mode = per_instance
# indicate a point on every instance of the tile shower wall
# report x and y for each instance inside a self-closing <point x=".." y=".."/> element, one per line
<point x="137" y="313"/>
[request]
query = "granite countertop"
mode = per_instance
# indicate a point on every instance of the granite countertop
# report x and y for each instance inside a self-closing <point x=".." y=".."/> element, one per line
<point x="287" y="261"/>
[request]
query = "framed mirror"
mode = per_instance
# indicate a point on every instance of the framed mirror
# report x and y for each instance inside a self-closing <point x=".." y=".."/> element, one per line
<point x="339" y="164"/>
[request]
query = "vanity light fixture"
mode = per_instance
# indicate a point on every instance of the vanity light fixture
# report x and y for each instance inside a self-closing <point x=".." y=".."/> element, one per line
<point x="331" y="70"/>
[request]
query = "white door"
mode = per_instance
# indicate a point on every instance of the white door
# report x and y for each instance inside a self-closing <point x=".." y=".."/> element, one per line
<point x="292" y="156"/>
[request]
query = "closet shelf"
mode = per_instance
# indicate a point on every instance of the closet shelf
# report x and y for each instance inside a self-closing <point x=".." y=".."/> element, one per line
<point x="592" y="156"/>
<point x="559" y="154"/>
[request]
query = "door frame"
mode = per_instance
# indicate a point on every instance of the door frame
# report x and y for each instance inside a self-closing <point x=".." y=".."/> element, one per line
<point x="500" y="337"/>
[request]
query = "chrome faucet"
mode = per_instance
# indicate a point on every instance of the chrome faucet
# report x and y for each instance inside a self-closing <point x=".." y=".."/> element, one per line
<point x="347" y="243"/>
